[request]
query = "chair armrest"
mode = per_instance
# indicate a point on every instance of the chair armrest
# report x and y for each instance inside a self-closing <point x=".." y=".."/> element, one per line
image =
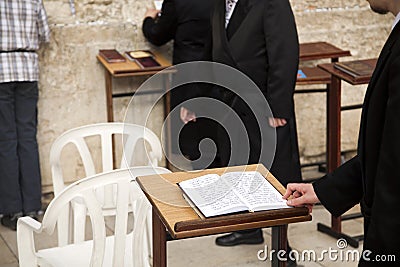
<point x="30" y="223"/>
<point x="26" y="245"/>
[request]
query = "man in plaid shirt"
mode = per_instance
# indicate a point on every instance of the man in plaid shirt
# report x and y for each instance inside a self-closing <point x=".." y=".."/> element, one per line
<point x="23" y="26"/>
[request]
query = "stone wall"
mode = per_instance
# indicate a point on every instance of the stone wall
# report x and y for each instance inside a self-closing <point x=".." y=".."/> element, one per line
<point x="72" y="81"/>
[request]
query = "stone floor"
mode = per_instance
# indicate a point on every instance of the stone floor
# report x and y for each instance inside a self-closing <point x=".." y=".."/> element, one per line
<point x="303" y="237"/>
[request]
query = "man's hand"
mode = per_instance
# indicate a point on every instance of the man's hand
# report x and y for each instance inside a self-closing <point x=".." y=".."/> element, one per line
<point x="276" y="122"/>
<point x="152" y="13"/>
<point x="187" y="115"/>
<point x="303" y="194"/>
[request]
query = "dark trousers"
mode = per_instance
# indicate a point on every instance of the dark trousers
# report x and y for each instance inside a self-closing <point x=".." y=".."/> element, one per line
<point x="187" y="140"/>
<point x="20" y="180"/>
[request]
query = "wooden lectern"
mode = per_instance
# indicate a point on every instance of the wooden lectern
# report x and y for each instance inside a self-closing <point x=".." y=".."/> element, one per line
<point x="172" y="213"/>
<point x="129" y="69"/>
<point x="333" y="138"/>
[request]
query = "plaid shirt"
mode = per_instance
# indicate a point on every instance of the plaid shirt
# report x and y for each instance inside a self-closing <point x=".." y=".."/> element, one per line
<point x="23" y="25"/>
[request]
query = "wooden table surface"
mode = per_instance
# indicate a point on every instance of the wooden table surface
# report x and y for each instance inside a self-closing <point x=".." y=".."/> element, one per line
<point x="314" y="75"/>
<point x="130" y="68"/>
<point x="181" y="219"/>
<point x="320" y="50"/>
<point x="329" y="67"/>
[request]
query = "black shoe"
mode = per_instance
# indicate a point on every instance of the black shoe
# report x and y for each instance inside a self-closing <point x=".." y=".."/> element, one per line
<point x="292" y="263"/>
<point x="10" y="220"/>
<point x="237" y="238"/>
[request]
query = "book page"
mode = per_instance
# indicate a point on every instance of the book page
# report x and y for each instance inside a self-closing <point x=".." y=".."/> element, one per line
<point x="212" y="195"/>
<point x="254" y="190"/>
<point x="139" y="54"/>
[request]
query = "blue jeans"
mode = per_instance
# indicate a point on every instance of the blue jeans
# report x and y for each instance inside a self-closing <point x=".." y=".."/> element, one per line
<point x="20" y="180"/>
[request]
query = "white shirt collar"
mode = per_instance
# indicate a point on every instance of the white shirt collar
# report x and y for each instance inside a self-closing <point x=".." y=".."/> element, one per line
<point x="230" y="6"/>
<point x="396" y="20"/>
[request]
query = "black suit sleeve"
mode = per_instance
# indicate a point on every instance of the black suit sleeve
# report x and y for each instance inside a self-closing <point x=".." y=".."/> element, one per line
<point x="342" y="189"/>
<point x="202" y="89"/>
<point x="385" y="217"/>
<point x="283" y="56"/>
<point x="162" y="29"/>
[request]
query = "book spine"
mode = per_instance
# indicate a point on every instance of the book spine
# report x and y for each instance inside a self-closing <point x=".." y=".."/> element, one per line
<point x="352" y="74"/>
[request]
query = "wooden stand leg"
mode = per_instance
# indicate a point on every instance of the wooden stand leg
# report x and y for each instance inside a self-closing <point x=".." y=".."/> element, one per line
<point x="352" y="241"/>
<point x="333" y="135"/>
<point x="279" y="243"/>
<point x="333" y="153"/>
<point x="333" y="124"/>
<point x="159" y="242"/>
<point x="110" y="109"/>
<point x="167" y="110"/>
<point x="110" y="112"/>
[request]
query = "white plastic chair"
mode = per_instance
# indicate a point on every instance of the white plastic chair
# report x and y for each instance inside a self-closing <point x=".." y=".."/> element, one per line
<point x="120" y="249"/>
<point x="133" y="135"/>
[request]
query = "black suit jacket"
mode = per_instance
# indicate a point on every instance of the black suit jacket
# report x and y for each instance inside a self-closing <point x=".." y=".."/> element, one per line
<point x="373" y="177"/>
<point x="260" y="41"/>
<point x="187" y="22"/>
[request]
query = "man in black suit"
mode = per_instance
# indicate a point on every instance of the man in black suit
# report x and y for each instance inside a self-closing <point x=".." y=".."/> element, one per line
<point x="372" y="177"/>
<point x="259" y="38"/>
<point x="187" y="23"/>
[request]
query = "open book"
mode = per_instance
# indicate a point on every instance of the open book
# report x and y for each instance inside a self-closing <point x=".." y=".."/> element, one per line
<point x="144" y="58"/>
<point x="232" y="192"/>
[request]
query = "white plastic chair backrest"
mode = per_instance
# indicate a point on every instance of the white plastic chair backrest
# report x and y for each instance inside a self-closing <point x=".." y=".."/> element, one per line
<point x="127" y="194"/>
<point x="132" y="134"/>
